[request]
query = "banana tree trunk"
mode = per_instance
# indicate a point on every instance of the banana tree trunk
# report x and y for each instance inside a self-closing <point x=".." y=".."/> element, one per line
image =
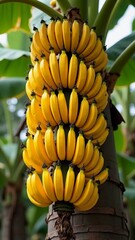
<point x="107" y="220"/>
<point x="13" y="214"/>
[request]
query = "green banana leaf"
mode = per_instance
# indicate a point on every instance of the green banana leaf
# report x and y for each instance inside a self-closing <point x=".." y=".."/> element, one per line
<point x="18" y="40"/>
<point x="132" y="2"/>
<point x="127" y="74"/>
<point x="14" y="16"/>
<point x="119" y="140"/>
<point x="11" y="87"/>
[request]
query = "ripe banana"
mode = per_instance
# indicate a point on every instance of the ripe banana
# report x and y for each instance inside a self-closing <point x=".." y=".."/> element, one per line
<point x="38" y="76"/>
<point x="46" y="109"/>
<point x="38" y="189"/>
<point x="58" y="34"/>
<point x="78" y="186"/>
<point x="31" y="195"/>
<point x="54" y="67"/>
<point x="102" y="138"/>
<point x="91" y="44"/>
<point x="91" y="202"/>
<point x="58" y="182"/>
<point x="94" y="159"/>
<point x="88" y="154"/>
<point x="73" y="106"/>
<point x="79" y="150"/>
<point x="63" y="68"/>
<point x="96" y="87"/>
<point x="28" y="89"/>
<point x="55" y="107"/>
<point x="100" y="58"/>
<point x="85" y="36"/>
<point x="83" y="113"/>
<point x="89" y="81"/>
<point x="40" y="147"/>
<point x="30" y="120"/>
<point x="62" y="106"/>
<point x="61" y="142"/>
<point x="93" y="172"/>
<point x="97" y="128"/>
<point x="86" y="194"/>
<point x="50" y="146"/>
<point x="44" y="38"/>
<point x="37" y="42"/>
<point x="66" y="34"/>
<point x="72" y="72"/>
<point x="103" y="103"/>
<point x="91" y="119"/>
<point x="46" y="73"/>
<point x="69" y="183"/>
<point x="51" y="35"/>
<point x="102" y="65"/>
<point x="71" y="143"/>
<point x="75" y="37"/>
<point x="82" y="76"/>
<point x="34" y="54"/>
<point x="38" y="89"/>
<point x="101" y="94"/>
<point x="48" y="184"/>
<point x="30" y="162"/>
<point x="102" y="176"/>
<point x="95" y="52"/>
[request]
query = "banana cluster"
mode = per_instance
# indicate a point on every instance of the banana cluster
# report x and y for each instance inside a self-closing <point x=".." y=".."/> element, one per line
<point x="65" y="115"/>
<point x="74" y="188"/>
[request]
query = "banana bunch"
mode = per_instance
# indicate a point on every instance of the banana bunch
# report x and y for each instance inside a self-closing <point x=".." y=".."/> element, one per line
<point x="65" y="115"/>
<point x="73" y="187"/>
<point x="73" y="37"/>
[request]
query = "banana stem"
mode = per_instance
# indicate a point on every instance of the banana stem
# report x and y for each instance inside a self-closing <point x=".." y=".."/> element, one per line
<point x="83" y="7"/>
<point x="92" y="11"/>
<point x="102" y="19"/>
<point x="43" y="7"/>
<point x="123" y="58"/>
<point x="64" y="5"/>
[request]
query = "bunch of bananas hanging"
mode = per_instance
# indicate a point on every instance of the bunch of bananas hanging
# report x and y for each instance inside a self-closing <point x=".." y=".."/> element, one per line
<point x="66" y="123"/>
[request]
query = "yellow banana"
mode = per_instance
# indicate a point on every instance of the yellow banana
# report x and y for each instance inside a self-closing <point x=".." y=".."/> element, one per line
<point x="48" y="184"/>
<point x="101" y="94"/>
<point x="83" y="113"/>
<point x="102" y="65"/>
<point x="46" y="73"/>
<point x="28" y="89"/>
<point x="102" y="138"/>
<point x="69" y="183"/>
<point x="50" y="146"/>
<point x="92" y="201"/>
<point x="58" y="34"/>
<point x="51" y="35"/>
<point x="37" y="42"/>
<point x="94" y="160"/>
<point x="40" y="147"/>
<point x="71" y="143"/>
<point x="89" y="81"/>
<point x="54" y="67"/>
<point x="30" y="162"/>
<point x="79" y="150"/>
<point x="102" y="104"/>
<point x="78" y="186"/>
<point x="72" y="72"/>
<point x="38" y="189"/>
<point x="73" y="106"/>
<point x="61" y="142"/>
<point x="46" y="109"/>
<point x="55" y="107"/>
<point x="63" y="68"/>
<point x="31" y="195"/>
<point x="91" y="44"/>
<point x="44" y="38"/>
<point x="89" y="149"/>
<point x="97" y="128"/>
<point x="63" y="106"/>
<point x="98" y="134"/>
<point x="75" y="37"/>
<point x="86" y="194"/>
<point x="100" y="58"/>
<point x="96" y="51"/>
<point x="85" y="36"/>
<point x="30" y="120"/>
<point x="93" y="172"/>
<point x="82" y="76"/>
<point x="58" y="182"/>
<point x="53" y="3"/>
<point x="34" y="54"/>
<point x="38" y="76"/>
<point x="96" y="87"/>
<point x="102" y="176"/>
<point x="66" y="34"/>
<point x="92" y="117"/>
<point x="38" y="89"/>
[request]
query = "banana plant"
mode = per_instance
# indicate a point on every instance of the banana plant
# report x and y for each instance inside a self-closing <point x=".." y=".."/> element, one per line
<point x="121" y="59"/>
